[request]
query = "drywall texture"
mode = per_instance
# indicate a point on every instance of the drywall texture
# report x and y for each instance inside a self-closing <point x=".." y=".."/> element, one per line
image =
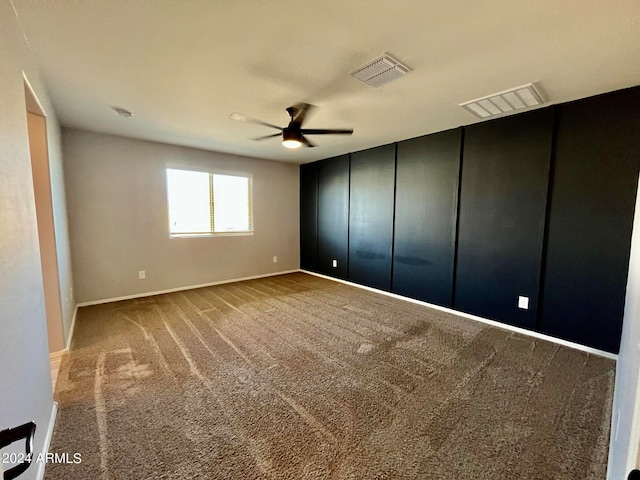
<point x="116" y="190"/>
<point x="625" y="435"/>
<point x="25" y="381"/>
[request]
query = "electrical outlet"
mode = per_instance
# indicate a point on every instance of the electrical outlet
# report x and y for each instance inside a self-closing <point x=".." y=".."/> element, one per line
<point x="523" y="303"/>
<point x="334" y="263"/>
<point x="275" y="259"/>
<point x="142" y="275"/>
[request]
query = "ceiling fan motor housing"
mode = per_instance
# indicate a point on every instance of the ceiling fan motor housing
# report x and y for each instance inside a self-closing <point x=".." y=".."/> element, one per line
<point x="289" y="133"/>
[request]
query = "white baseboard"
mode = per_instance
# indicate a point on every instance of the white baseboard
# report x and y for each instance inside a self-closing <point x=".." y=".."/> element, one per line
<point x="493" y="323"/>
<point x="73" y="325"/>
<point x="178" y="289"/>
<point x="47" y="440"/>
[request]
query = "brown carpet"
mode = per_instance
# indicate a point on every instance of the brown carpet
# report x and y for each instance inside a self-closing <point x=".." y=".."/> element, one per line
<point x="297" y="377"/>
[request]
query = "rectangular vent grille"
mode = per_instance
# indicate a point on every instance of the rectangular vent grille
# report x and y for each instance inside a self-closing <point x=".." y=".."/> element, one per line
<point x="517" y="98"/>
<point x="382" y="70"/>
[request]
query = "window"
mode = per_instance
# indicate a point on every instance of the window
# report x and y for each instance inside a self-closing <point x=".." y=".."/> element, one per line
<point x="205" y="203"/>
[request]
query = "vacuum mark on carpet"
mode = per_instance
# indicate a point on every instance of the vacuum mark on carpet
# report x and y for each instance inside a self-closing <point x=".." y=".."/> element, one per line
<point x="228" y="304"/>
<point x="307" y="416"/>
<point x="193" y="328"/>
<point x="192" y="366"/>
<point x="154" y="345"/>
<point x="101" y="415"/>
<point x="254" y="448"/>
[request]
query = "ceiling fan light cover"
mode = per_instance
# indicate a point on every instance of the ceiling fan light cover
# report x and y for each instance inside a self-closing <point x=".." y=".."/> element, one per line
<point x="292" y="143"/>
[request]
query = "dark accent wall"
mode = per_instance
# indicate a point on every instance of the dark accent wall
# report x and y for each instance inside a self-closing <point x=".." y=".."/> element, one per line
<point x="333" y="216"/>
<point x="371" y="216"/>
<point x="538" y="204"/>
<point x="309" y="216"/>
<point x="594" y="186"/>
<point x="503" y="198"/>
<point x="425" y="216"/>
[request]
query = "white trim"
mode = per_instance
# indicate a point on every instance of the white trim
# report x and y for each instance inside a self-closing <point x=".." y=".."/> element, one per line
<point x="58" y="354"/>
<point x="178" y="289"/>
<point x="47" y="440"/>
<point x="43" y="112"/>
<point x="246" y="233"/>
<point x="215" y="171"/>
<point x="493" y="323"/>
<point x="73" y="325"/>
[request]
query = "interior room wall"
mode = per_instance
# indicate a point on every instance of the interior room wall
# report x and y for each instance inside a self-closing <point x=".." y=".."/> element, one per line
<point x="543" y="226"/>
<point x="25" y="381"/>
<point x="117" y="202"/>
<point x="625" y="437"/>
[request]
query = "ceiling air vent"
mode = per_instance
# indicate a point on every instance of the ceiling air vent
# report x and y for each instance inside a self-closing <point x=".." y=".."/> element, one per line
<point x="382" y="70"/>
<point x="517" y="98"/>
<point x="123" y="112"/>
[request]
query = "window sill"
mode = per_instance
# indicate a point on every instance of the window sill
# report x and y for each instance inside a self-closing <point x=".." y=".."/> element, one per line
<point x="207" y="235"/>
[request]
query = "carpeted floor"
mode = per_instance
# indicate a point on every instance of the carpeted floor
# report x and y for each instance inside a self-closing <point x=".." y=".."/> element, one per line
<point x="297" y="377"/>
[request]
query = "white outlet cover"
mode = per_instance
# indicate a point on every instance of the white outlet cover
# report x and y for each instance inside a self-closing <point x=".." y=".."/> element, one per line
<point x="275" y="259"/>
<point x="334" y="263"/>
<point x="142" y="274"/>
<point x="523" y="303"/>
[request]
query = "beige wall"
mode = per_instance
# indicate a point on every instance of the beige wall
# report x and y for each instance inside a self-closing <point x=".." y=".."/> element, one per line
<point x="25" y="379"/>
<point x="118" y="218"/>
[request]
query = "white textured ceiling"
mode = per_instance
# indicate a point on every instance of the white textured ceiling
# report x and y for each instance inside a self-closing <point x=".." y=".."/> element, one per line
<point x="183" y="66"/>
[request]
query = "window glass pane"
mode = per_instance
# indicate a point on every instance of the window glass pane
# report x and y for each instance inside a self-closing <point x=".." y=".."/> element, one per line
<point x="231" y="203"/>
<point x="189" y="202"/>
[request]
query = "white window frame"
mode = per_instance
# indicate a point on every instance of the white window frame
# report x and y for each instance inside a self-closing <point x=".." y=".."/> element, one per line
<point x="211" y="173"/>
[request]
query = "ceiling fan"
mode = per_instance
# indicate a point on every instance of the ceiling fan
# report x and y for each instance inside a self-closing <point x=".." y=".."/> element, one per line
<point x="293" y="135"/>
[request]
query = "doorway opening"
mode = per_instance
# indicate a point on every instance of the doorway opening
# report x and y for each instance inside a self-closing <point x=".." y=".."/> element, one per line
<point x="39" y="152"/>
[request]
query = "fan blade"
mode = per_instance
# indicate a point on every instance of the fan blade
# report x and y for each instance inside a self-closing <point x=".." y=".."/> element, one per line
<point x="315" y="131"/>
<point x="303" y="109"/>
<point x="306" y="142"/>
<point x="267" y="136"/>
<point x="243" y="118"/>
